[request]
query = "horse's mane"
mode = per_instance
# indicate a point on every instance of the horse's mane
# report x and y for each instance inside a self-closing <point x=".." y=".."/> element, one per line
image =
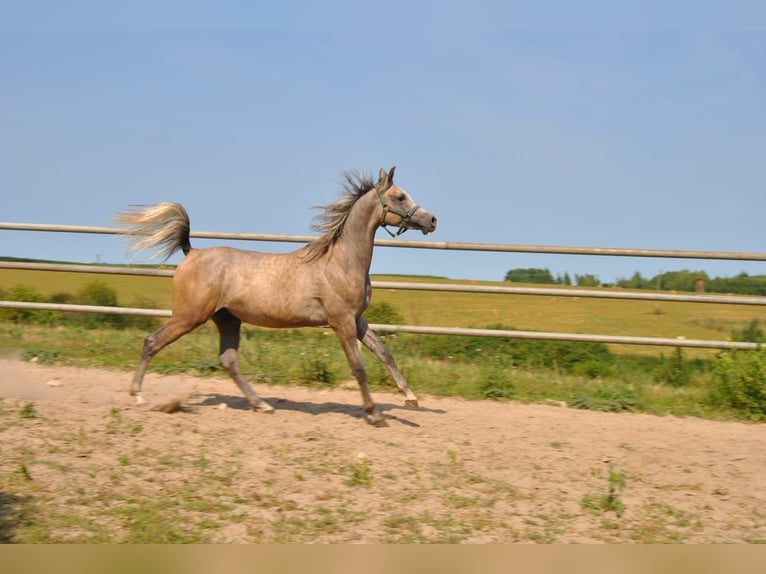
<point x="331" y="221"/>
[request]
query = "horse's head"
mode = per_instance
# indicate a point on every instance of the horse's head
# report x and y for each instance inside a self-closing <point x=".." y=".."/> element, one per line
<point x="398" y="209"/>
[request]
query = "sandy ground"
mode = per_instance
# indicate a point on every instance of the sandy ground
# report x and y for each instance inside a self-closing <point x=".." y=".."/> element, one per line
<point x="453" y="470"/>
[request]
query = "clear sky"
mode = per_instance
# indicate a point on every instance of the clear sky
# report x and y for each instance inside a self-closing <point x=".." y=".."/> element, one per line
<point x="618" y="134"/>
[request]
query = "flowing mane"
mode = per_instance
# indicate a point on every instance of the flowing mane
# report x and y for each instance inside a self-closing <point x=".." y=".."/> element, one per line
<point x="330" y="223"/>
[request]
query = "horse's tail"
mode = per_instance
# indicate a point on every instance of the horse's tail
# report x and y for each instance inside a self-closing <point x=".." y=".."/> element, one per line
<point x="164" y="225"/>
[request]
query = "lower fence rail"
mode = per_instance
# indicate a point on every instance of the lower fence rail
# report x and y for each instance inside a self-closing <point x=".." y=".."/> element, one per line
<point x="427" y="330"/>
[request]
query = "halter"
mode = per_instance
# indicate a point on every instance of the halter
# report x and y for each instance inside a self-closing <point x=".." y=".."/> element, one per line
<point x="405" y="215"/>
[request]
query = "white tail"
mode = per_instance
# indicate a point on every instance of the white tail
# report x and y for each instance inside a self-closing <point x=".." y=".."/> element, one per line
<point x="164" y="225"/>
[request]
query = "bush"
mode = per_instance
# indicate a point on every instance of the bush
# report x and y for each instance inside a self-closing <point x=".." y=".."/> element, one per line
<point x="674" y="371"/>
<point x="586" y="359"/>
<point x="100" y="294"/>
<point x="383" y="313"/>
<point x="29" y="294"/>
<point x="497" y="383"/>
<point x="753" y="333"/>
<point x="606" y="397"/>
<point x="739" y="382"/>
<point x="141" y="321"/>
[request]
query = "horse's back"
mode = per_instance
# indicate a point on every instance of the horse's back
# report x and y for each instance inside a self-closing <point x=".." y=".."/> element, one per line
<point x="261" y="288"/>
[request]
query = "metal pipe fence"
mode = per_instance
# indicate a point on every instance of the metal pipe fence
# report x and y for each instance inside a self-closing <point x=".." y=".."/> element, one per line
<point x="426" y="286"/>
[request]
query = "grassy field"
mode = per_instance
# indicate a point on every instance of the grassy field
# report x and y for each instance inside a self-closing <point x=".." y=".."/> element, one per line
<point x="647" y="379"/>
<point x="537" y="313"/>
<point x="109" y="474"/>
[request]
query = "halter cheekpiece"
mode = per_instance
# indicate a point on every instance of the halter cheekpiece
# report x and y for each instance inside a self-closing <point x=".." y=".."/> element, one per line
<point x="405" y="215"/>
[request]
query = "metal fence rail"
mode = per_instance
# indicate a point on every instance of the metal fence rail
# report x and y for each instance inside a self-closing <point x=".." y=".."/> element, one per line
<point x="426" y="330"/>
<point x="403" y="243"/>
<point x="426" y="286"/>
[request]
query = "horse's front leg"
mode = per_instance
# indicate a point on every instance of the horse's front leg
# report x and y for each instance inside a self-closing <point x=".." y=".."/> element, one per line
<point x="346" y="333"/>
<point x="371" y="341"/>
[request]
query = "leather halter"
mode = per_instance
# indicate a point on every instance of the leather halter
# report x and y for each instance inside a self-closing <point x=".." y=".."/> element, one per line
<point x="405" y="215"/>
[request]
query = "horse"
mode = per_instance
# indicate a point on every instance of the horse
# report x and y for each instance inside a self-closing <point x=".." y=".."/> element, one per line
<point x="323" y="283"/>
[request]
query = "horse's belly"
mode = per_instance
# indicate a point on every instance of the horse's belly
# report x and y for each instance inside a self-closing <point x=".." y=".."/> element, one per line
<point x="278" y="314"/>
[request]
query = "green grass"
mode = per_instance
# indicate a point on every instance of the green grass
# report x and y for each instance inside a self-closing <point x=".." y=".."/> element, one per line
<point x="640" y="379"/>
<point x="538" y="313"/>
<point x="313" y="357"/>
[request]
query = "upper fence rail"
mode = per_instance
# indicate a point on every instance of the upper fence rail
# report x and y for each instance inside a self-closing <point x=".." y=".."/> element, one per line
<point x="428" y="286"/>
<point x="449" y="245"/>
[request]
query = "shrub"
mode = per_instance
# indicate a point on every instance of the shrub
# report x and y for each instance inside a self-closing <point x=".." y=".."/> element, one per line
<point x="383" y="313"/>
<point x="739" y="382"/>
<point x="497" y="383"/>
<point x="32" y="295"/>
<point x="142" y="322"/>
<point x="753" y="333"/>
<point x="587" y="359"/>
<point x="674" y="371"/>
<point x="100" y="294"/>
<point x="607" y="397"/>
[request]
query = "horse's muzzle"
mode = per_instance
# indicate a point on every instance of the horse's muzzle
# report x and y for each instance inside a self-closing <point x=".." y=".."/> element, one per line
<point x="424" y="221"/>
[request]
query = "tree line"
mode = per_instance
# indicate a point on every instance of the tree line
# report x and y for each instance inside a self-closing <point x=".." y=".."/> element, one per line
<point x="683" y="280"/>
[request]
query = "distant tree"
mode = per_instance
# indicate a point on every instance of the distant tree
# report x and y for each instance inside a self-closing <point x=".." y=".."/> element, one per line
<point x="530" y="275"/>
<point x="683" y="280"/>
<point x="587" y="280"/>
<point x="637" y="281"/>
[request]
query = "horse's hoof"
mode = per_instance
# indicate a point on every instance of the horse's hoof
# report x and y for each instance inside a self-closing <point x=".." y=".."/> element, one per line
<point x="378" y="419"/>
<point x="264" y="408"/>
<point x="379" y="422"/>
<point x="412" y="403"/>
<point x="140" y="400"/>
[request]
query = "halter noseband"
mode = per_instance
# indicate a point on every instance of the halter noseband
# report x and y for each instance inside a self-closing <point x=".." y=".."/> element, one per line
<point x="405" y="215"/>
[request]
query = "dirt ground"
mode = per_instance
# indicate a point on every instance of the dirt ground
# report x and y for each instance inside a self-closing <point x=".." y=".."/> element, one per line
<point x="315" y="471"/>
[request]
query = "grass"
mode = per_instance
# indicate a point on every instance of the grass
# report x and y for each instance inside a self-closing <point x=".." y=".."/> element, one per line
<point x="538" y="313"/>
<point x="141" y="494"/>
<point x="313" y="357"/>
<point x="611" y="500"/>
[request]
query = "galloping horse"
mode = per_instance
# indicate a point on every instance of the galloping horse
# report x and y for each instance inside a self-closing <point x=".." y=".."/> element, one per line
<point x="326" y="282"/>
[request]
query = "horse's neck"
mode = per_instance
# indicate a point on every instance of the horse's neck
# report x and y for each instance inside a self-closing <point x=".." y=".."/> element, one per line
<point x="353" y="249"/>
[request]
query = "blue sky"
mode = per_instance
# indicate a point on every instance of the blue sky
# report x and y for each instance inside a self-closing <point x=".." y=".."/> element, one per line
<point x="622" y="134"/>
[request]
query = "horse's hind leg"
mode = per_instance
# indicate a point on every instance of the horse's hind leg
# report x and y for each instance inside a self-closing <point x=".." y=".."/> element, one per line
<point x="153" y="344"/>
<point x="228" y="327"/>
<point x="371" y="341"/>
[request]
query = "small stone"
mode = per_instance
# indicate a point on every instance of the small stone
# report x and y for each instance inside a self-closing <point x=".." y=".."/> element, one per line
<point x="54" y="383"/>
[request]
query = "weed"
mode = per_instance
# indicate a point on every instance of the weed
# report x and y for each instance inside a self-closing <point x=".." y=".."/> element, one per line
<point x="361" y="474"/>
<point x="739" y="381"/>
<point x="28" y="411"/>
<point x="202" y="461"/>
<point x="606" y="397"/>
<point x="611" y="500"/>
<point x="497" y="382"/>
<point x="115" y="421"/>
<point x="43" y="356"/>
<point x="675" y="371"/>
<point x="24" y="472"/>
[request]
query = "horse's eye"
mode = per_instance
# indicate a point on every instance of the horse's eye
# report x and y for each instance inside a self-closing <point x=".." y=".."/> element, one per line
<point x="402" y="197"/>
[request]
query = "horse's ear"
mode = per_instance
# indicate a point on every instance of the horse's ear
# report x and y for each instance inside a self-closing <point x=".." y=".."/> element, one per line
<point x="391" y="175"/>
<point x="382" y="175"/>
